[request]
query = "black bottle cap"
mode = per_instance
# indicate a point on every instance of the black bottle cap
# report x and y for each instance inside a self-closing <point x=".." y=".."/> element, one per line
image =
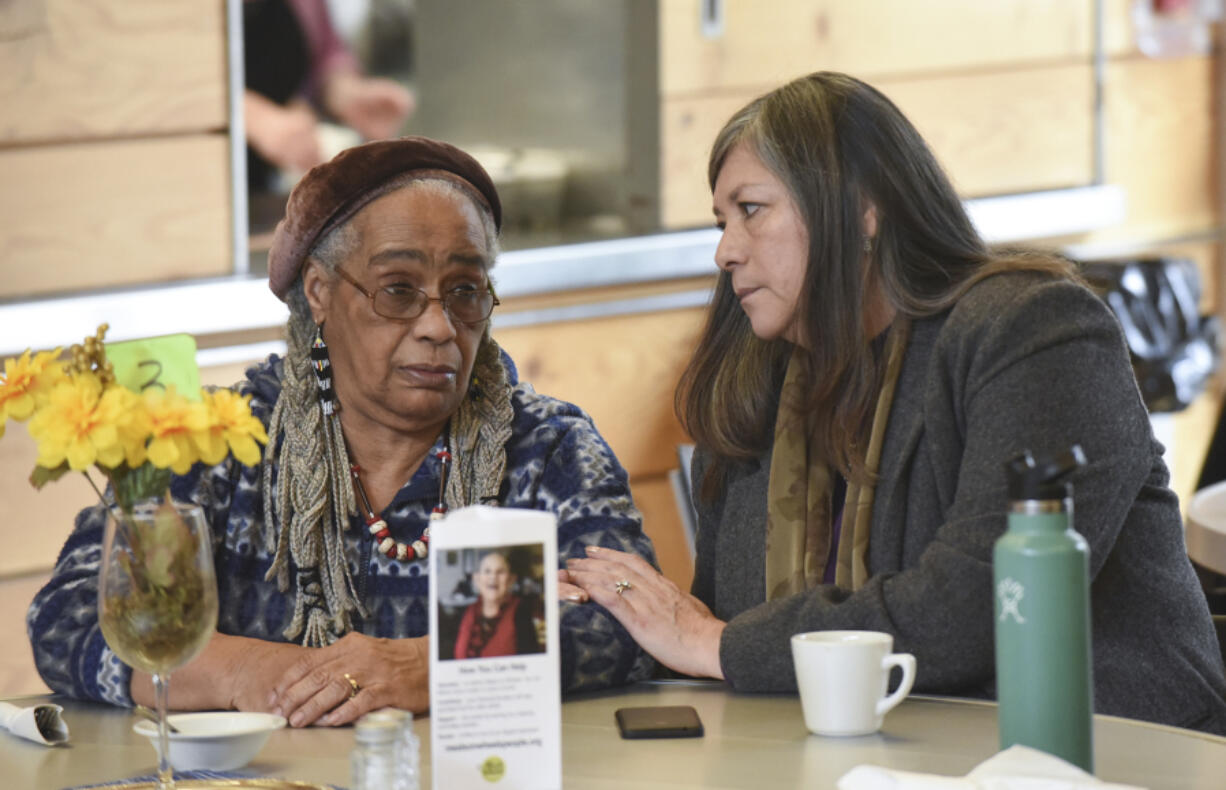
<point x="1044" y="477"/>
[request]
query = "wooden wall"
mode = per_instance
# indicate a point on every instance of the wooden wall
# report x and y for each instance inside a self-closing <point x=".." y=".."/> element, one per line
<point x="1001" y="91"/>
<point x="114" y="156"/>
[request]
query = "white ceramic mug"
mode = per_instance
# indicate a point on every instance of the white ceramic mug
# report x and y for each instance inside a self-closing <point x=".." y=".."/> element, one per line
<point x="843" y="677"/>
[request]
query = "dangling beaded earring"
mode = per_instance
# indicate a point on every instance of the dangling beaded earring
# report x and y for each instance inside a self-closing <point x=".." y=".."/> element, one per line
<point x="868" y="243"/>
<point x="323" y="372"/>
<point x="444" y="469"/>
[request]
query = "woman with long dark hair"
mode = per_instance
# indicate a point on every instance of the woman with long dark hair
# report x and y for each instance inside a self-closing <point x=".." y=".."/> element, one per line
<point x="867" y="368"/>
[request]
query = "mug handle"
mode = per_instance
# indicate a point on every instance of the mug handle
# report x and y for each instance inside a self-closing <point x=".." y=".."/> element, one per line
<point x="905" y="662"/>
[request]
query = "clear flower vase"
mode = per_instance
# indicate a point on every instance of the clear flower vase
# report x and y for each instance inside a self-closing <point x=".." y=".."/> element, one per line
<point x="157" y="596"/>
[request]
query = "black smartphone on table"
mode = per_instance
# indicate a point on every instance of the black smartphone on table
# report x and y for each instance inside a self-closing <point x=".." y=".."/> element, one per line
<point x="659" y="721"/>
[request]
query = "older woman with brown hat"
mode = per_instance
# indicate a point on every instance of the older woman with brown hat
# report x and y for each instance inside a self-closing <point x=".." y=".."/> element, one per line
<point x="392" y="405"/>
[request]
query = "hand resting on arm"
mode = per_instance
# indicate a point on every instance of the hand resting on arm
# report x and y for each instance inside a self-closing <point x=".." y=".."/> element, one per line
<point x="676" y="628"/>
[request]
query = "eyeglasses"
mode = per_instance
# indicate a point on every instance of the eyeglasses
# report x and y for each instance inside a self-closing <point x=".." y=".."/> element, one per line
<point x="404" y="302"/>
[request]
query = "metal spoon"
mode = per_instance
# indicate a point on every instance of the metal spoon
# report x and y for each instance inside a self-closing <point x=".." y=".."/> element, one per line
<point x="152" y="716"/>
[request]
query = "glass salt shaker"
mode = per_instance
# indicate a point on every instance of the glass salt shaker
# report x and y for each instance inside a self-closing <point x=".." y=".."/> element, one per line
<point x="373" y="761"/>
<point x="407" y="775"/>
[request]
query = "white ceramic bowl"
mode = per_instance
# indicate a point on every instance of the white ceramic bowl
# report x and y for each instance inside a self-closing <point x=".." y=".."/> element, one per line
<point x="216" y="740"/>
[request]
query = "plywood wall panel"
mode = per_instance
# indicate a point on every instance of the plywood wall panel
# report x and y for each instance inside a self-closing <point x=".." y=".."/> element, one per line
<point x="765" y="43"/>
<point x="1119" y="34"/>
<point x="1162" y="147"/>
<point x="83" y="69"/>
<point x="994" y="132"/>
<point x="34" y="524"/>
<point x="113" y="213"/>
<point x="622" y="371"/>
<point x="1012" y="131"/>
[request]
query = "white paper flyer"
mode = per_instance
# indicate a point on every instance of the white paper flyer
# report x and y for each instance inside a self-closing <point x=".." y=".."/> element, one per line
<point x="495" y="699"/>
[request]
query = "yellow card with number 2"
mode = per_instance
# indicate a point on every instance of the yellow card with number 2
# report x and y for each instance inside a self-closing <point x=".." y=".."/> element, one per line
<point x="157" y="363"/>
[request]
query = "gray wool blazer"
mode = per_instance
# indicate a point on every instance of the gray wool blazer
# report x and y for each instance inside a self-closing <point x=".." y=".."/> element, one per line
<point x="1022" y="361"/>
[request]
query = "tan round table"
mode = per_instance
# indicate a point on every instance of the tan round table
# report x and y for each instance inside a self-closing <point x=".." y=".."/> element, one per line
<point x="751" y="741"/>
<point x="1206" y="528"/>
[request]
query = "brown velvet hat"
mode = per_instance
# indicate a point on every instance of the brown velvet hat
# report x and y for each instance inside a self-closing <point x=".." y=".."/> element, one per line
<point x="333" y="192"/>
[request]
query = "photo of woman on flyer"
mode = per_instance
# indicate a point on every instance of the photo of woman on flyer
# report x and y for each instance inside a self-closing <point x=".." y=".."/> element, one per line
<point x="507" y="616"/>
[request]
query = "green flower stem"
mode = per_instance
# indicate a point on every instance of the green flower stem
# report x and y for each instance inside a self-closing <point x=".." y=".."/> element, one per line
<point x="134" y="485"/>
<point x="98" y="491"/>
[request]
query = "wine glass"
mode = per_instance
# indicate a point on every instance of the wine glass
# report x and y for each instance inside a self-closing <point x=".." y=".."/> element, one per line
<point x="157" y="596"/>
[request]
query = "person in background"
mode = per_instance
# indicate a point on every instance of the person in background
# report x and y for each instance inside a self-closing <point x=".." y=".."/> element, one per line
<point x="867" y="368"/>
<point x="393" y="405"/>
<point x="296" y="69"/>
<point x="499" y="622"/>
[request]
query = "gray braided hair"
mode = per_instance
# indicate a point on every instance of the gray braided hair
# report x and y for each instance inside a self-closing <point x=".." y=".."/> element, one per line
<point x="308" y="506"/>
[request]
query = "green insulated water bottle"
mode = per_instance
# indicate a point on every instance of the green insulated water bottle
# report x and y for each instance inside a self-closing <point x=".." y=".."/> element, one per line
<point x="1043" y="667"/>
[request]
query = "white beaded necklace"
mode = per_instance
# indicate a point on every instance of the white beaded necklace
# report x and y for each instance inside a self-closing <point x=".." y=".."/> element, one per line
<point x="386" y="544"/>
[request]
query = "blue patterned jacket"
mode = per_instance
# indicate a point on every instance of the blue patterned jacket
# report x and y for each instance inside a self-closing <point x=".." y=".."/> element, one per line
<point x="556" y="461"/>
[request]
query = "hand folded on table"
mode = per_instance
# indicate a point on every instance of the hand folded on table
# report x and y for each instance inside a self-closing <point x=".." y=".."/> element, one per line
<point x="381" y="673"/>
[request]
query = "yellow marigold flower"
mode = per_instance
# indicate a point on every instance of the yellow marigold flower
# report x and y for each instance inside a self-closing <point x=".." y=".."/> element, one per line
<point x="79" y="425"/>
<point x="27" y="382"/>
<point x="175" y="425"/>
<point x="232" y="426"/>
<point x="135" y="427"/>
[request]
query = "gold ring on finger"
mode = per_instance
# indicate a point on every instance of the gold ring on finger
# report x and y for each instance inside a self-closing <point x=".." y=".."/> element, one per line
<point x="623" y="585"/>
<point x="354" y="688"/>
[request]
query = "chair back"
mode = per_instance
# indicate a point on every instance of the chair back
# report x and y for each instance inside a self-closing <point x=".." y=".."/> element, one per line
<point x="680" y="482"/>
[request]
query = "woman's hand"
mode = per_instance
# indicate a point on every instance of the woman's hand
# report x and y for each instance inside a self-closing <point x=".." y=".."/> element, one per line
<point x="260" y="666"/>
<point x="568" y="590"/>
<point x="676" y="628"/>
<point x="285" y="136"/>
<point x="389" y="673"/>
<point x="233" y="672"/>
<point x="373" y="106"/>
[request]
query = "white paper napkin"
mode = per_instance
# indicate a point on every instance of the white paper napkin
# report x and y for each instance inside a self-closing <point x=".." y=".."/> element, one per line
<point x="1016" y="768"/>
<point x="41" y="723"/>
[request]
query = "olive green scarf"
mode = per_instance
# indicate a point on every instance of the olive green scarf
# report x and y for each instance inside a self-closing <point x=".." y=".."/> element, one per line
<point x="799" y="509"/>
